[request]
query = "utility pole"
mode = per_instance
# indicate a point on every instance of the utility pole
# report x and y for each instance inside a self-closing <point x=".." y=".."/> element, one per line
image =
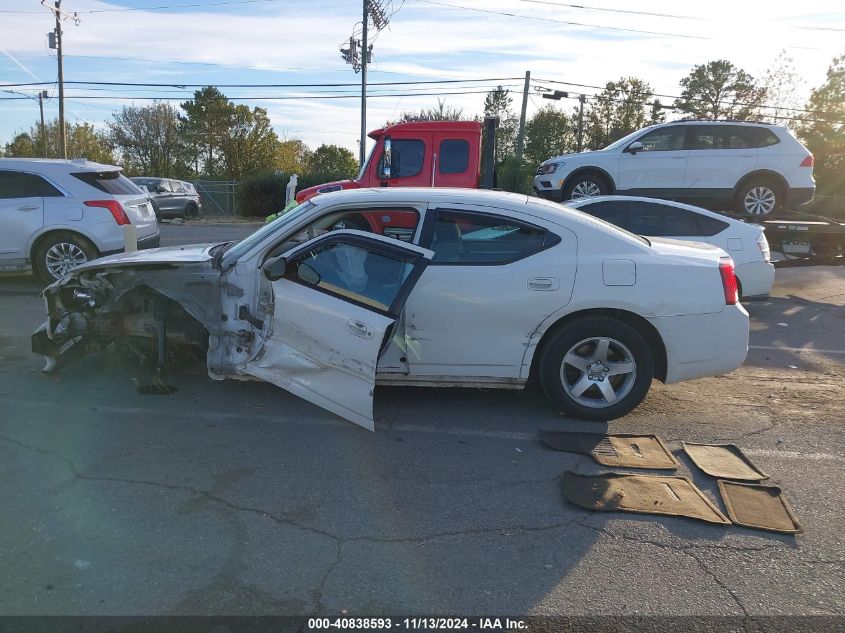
<point x="62" y="130"/>
<point x="581" y="100"/>
<point x="520" y="136"/>
<point x="41" y="96"/>
<point x="362" y="150"/>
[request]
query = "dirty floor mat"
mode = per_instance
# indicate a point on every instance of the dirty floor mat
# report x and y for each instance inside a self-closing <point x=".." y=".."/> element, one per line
<point x="761" y="507"/>
<point x="622" y="450"/>
<point x="647" y="494"/>
<point x="725" y="461"/>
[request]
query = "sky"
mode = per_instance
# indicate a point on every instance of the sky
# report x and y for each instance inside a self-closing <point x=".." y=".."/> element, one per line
<point x="297" y="42"/>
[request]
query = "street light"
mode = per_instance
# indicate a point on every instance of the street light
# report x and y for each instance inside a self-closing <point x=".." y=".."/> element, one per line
<point x="42" y="94"/>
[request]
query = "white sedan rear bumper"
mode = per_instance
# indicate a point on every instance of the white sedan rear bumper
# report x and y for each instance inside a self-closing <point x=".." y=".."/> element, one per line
<point x="703" y="344"/>
<point x="756" y="279"/>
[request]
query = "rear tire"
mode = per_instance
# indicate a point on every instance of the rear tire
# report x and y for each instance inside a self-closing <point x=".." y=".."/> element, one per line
<point x="59" y="253"/>
<point x="758" y="197"/>
<point x="596" y="368"/>
<point x="191" y="211"/>
<point x="586" y="185"/>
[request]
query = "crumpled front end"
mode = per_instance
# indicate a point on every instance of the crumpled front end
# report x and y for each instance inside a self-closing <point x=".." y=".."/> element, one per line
<point x="152" y="313"/>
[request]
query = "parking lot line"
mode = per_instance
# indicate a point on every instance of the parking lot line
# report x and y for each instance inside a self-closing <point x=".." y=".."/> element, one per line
<point x="798" y="349"/>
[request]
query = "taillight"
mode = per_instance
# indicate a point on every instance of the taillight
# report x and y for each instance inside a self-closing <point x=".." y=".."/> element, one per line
<point x="808" y="161"/>
<point x="114" y="208"/>
<point x="726" y="270"/>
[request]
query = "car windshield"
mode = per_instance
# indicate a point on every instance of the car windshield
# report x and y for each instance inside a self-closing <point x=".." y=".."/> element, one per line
<point x="625" y="139"/>
<point x="249" y="242"/>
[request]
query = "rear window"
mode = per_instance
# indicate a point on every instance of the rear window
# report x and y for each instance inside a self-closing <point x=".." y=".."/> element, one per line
<point x="112" y="182"/>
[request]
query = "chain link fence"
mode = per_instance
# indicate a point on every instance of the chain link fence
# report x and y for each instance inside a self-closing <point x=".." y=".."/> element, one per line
<point x="218" y="196"/>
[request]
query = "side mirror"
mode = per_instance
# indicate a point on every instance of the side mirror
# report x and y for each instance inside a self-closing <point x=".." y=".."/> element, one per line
<point x="387" y="159"/>
<point x="634" y="147"/>
<point x="274" y="268"/>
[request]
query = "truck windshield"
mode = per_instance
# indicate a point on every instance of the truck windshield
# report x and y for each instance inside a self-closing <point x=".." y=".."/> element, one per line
<point x="248" y="243"/>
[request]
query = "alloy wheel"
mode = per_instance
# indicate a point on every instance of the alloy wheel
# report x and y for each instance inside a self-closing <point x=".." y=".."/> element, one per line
<point x="585" y="189"/>
<point x="759" y="200"/>
<point x="63" y="257"/>
<point x="598" y="372"/>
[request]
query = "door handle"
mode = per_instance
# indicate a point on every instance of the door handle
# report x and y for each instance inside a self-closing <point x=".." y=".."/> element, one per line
<point x="28" y="207"/>
<point x="544" y="283"/>
<point x="359" y="329"/>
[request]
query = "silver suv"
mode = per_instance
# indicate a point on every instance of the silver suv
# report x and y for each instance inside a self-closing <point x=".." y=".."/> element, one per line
<point x="58" y="214"/>
<point x="171" y="198"/>
<point x="754" y="168"/>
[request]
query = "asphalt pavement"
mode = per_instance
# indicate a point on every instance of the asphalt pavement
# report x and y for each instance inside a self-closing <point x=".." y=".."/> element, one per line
<point x="237" y="498"/>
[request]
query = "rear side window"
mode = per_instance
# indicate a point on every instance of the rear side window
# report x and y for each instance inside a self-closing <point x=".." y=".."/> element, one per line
<point x="454" y="156"/>
<point x="759" y="136"/>
<point x="708" y="226"/>
<point x="468" y="238"/>
<point x="661" y="220"/>
<point x="112" y="182"/>
<point x="717" y="137"/>
<point x="613" y="212"/>
<point x="16" y="184"/>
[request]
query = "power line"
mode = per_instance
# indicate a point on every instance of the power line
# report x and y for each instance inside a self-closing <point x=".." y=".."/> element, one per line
<point x="666" y="96"/>
<point x="329" y="85"/>
<point x="567" y="22"/>
<point x="159" y="8"/>
<point x="272" y="98"/>
<point x="608" y="10"/>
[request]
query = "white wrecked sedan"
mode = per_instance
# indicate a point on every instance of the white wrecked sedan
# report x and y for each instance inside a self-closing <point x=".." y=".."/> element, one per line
<point x="428" y="287"/>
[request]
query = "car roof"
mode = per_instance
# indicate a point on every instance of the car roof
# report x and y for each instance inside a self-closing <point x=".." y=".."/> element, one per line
<point x="544" y="209"/>
<point x="53" y="165"/>
<point x="575" y="204"/>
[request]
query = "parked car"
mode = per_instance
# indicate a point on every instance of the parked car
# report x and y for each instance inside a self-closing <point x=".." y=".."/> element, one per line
<point x="171" y="198"/>
<point x="58" y="214"/>
<point x="753" y="168"/>
<point x="746" y="243"/>
<point x="493" y="289"/>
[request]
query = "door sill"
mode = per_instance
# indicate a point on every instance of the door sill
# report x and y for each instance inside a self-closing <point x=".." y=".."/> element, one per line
<point x="475" y="382"/>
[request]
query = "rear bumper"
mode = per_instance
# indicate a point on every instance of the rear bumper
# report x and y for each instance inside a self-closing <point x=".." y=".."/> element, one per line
<point x="150" y="241"/>
<point x="800" y="196"/>
<point x="756" y="279"/>
<point x="702" y="345"/>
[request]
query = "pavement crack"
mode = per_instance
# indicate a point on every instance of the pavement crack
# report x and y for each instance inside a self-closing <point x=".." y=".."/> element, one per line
<point x="318" y="592"/>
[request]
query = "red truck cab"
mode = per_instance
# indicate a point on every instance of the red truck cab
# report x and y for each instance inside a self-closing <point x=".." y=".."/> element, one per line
<point x="422" y="154"/>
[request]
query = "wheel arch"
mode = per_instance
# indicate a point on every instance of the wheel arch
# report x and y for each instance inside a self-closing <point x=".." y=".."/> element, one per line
<point x="639" y="323"/>
<point x="763" y="174"/>
<point x="600" y="171"/>
<point x="37" y="239"/>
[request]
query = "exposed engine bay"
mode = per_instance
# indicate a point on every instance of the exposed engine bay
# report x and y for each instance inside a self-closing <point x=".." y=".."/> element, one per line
<point x="150" y="316"/>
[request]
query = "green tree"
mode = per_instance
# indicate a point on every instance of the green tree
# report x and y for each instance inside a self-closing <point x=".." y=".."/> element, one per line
<point x="783" y="92"/>
<point x="549" y="132"/>
<point x="22" y="146"/>
<point x="292" y="157"/>
<point x="720" y="90"/>
<point x="332" y="162"/>
<point x="83" y="141"/>
<point x="205" y="125"/>
<point x="150" y="141"/>
<point x="621" y="108"/>
<point x="441" y="113"/>
<point x="249" y="144"/>
<point x="823" y="129"/>
<point x="498" y="103"/>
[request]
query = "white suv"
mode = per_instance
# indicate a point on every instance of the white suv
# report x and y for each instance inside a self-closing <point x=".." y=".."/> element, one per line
<point x="754" y="168"/>
<point x="58" y="214"/>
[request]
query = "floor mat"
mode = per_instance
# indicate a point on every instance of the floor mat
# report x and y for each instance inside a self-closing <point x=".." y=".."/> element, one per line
<point x="761" y="507"/>
<point x="622" y="450"/>
<point x="646" y="494"/>
<point x="725" y="461"/>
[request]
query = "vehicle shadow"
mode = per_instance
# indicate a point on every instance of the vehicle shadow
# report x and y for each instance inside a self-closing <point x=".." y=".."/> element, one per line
<point x="20" y="284"/>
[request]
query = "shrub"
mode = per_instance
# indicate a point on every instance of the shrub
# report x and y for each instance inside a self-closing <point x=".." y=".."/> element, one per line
<point x="515" y="175"/>
<point x="261" y="195"/>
